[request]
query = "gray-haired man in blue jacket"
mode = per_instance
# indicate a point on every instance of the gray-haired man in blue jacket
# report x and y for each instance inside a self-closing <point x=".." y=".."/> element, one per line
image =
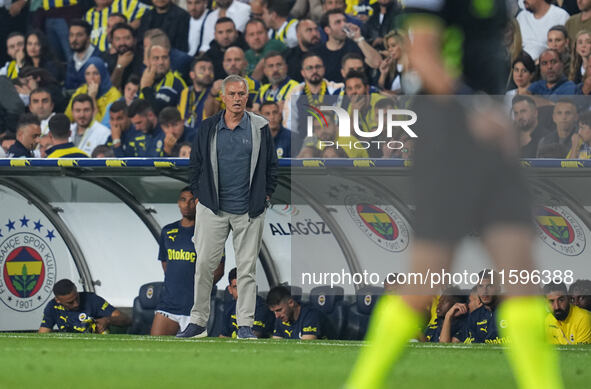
<point x="233" y="173"/>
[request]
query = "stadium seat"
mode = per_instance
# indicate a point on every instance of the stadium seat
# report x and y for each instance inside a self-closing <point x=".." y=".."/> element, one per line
<point x="329" y="302"/>
<point x="144" y="306"/>
<point x="296" y="293"/>
<point x="360" y="311"/>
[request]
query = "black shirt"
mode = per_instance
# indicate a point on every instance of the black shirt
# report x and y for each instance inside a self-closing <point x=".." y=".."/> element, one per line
<point x="332" y="59"/>
<point x="293" y="58"/>
<point x="135" y="67"/>
<point x="17" y="150"/>
<point x="530" y="150"/>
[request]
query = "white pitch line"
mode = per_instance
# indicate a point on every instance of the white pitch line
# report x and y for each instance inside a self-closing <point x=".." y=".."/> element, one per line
<point x="175" y="340"/>
<point x="141" y="338"/>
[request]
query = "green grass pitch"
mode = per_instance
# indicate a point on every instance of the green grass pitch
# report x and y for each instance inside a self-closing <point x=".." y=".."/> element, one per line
<point x="120" y="361"/>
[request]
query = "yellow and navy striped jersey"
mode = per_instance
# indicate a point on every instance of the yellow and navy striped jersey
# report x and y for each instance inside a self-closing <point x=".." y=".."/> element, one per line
<point x="50" y="4"/>
<point x="169" y="88"/>
<point x="266" y="93"/>
<point x="132" y="9"/>
<point x="66" y="150"/>
<point x="575" y="329"/>
<point x="191" y="106"/>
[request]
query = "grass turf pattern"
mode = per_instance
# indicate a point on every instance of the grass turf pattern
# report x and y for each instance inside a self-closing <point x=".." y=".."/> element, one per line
<point x="121" y="361"/>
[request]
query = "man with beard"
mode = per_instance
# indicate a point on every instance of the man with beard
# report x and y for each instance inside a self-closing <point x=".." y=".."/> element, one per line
<point x="149" y="132"/>
<point x="225" y="36"/>
<point x="565" y="118"/>
<point x="192" y="100"/>
<point x="362" y="99"/>
<point x="171" y="19"/>
<point x="86" y="133"/>
<point x="28" y="132"/>
<point x="344" y="38"/>
<point x="160" y="86"/>
<point x="125" y="60"/>
<point x="312" y="91"/>
<point x="566" y="324"/>
<point x="525" y="119"/>
<point x="259" y="45"/>
<point x="553" y="81"/>
<point x="80" y="45"/>
<point x="279" y="86"/>
<point x="308" y="38"/>
<point x="292" y="319"/>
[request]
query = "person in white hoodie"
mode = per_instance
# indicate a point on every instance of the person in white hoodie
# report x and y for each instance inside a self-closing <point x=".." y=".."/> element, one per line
<point x="87" y="133"/>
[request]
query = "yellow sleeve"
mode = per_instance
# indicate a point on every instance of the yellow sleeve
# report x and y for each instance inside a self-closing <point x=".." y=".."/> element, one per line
<point x="583" y="330"/>
<point x="103" y="102"/>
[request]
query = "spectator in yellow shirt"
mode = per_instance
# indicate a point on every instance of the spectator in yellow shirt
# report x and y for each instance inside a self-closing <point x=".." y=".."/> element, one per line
<point x="566" y="323"/>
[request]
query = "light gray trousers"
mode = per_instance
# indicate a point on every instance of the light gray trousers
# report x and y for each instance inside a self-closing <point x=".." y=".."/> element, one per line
<point x="211" y="233"/>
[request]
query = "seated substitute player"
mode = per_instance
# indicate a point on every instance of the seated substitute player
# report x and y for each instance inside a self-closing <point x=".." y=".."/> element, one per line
<point x="450" y="300"/>
<point x="83" y="312"/>
<point x="481" y="325"/>
<point x="263" y="319"/>
<point x="566" y="323"/>
<point x="177" y="254"/>
<point x="292" y="320"/>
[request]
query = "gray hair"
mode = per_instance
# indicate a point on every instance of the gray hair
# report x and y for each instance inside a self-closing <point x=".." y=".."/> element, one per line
<point x="233" y="78"/>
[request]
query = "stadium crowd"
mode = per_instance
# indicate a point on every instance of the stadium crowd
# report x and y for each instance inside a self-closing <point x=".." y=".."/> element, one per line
<point x="136" y="78"/>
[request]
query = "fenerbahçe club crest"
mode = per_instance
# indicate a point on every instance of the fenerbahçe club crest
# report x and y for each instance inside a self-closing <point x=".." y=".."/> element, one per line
<point x="560" y="229"/>
<point x="383" y="224"/>
<point x="27" y="263"/>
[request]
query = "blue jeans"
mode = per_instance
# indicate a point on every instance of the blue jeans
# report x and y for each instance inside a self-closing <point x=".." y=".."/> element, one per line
<point x="57" y="35"/>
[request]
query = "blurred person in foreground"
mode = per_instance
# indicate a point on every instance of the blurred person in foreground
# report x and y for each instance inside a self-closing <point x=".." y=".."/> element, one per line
<point x="506" y="231"/>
